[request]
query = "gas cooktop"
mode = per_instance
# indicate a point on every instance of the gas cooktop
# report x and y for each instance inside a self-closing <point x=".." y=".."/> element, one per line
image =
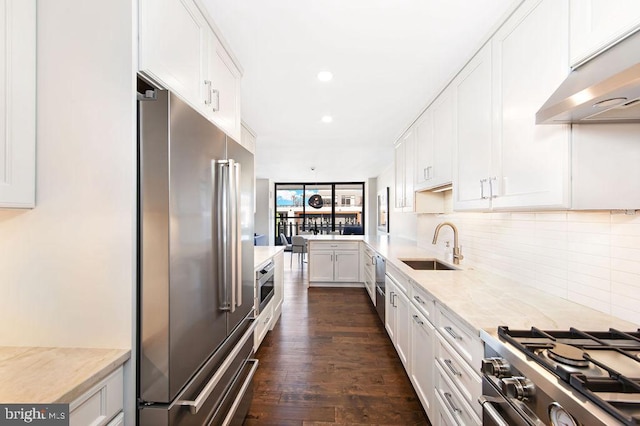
<point x="604" y="366"/>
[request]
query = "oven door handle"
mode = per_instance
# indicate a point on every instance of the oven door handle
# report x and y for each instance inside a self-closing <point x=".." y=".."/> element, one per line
<point x="488" y="407"/>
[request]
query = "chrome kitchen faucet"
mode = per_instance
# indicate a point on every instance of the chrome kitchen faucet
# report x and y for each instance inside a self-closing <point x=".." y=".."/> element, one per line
<point x="457" y="253"/>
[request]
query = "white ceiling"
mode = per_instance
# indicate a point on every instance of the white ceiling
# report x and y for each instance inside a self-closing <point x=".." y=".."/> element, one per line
<point x="389" y="59"/>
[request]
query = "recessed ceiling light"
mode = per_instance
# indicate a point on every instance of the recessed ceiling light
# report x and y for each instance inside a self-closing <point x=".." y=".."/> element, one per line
<point x="327" y="119"/>
<point x="325" y="76"/>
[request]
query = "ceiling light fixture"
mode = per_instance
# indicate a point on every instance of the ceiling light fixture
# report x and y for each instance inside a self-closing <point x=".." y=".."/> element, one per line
<point x="327" y="119"/>
<point x="325" y="76"/>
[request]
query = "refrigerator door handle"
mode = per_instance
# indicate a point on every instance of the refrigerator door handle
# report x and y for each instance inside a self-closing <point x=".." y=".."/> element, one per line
<point x="236" y="230"/>
<point x="196" y="404"/>
<point x="221" y="231"/>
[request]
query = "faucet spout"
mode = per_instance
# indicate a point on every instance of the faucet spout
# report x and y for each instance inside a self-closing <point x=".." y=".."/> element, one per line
<point x="457" y="252"/>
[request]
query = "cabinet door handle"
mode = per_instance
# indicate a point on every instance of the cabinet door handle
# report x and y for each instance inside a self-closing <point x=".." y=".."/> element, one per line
<point x="429" y="174"/>
<point x="455" y="409"/>
<point x="453" y="370"/>
<point x="209" y="99"/>
<point x="417" y="319"/>
<point x="424" y="174"/>
<point x="452" y="333"/>
<point x="373" y="260"/>
<point x="419" y="300"/>
<point x="482" y="181"/>
<point x="216" y="107"/>
<point x="491" y="195"/>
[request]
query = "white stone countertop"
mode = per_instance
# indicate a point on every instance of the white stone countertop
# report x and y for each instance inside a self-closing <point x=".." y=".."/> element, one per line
<point x="41" y="375"/>
<point x="262" y="254"/>
<point x="486" y="300"/>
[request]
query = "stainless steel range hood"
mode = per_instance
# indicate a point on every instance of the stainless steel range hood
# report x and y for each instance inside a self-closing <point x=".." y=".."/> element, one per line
<point x="604" y="90"/>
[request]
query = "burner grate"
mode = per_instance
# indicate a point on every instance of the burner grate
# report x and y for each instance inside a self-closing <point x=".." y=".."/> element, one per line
<point x="605" y="385"/>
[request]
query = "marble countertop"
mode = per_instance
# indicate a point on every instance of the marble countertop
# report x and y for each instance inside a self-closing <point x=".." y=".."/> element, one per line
<point x="486" y="300"/>
<point x="53" y="375"/>
<point x="262" y="254"/>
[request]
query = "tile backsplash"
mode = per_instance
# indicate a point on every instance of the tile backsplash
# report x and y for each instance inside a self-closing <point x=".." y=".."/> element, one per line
<point x="592" y="258"/>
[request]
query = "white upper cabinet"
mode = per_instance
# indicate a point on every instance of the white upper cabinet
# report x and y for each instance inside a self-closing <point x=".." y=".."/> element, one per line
<point x="248" y="138"/>
<point x="404" y="171"/>
<point x="172" y="46"/>
<point x="472" y="130"/>
<point x="179" y="50"/>
<point x="504" y="160"/>
<point x="222" y="89"/>
<point x="530" y="162"/>
<point x="434" y="142"/>
<point x="18" y="103"/>
<point x="597" y="24"/>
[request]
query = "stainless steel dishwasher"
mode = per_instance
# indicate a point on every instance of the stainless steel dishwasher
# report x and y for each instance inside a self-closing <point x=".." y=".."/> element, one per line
<point x="381" y="269"/>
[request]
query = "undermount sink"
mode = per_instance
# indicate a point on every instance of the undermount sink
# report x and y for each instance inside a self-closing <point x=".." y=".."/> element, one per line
<point x="427" y="265"/>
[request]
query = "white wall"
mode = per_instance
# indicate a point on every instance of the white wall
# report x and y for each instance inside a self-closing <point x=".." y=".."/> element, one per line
<point x="371" y="199"/>
<point x="264" y="217"/>
<point x="68" y="266"/>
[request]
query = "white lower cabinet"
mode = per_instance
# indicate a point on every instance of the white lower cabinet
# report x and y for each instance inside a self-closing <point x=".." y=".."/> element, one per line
<point x="334" y="262"/>
<point x="264" y="323"/>
<point x="278" y="288"/>
<point x="268" y="317"/>
<point x="100" y="405"/>
<point x="441" y="354"/>
<point x="397" y="318"/>
<point x="467" y="381"/>
<point x="452" y="404"/>
<point x="367" y="263"/>
<point x="422" y="336"/>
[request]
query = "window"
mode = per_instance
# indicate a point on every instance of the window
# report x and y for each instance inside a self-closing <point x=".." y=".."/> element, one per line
<point x="319" y="208"/>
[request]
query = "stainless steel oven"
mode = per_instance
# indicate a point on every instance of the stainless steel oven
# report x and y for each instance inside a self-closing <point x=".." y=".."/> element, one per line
<point x="264" y="286"/>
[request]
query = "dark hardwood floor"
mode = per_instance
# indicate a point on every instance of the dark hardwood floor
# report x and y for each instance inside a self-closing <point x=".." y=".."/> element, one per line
<point x="329" y="361"/>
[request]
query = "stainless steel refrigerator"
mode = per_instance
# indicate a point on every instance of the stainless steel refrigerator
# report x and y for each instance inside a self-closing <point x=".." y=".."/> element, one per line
<point x="195" y="263"/>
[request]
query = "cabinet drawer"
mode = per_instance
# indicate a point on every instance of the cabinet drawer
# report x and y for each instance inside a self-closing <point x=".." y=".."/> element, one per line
<point x="400" y="279"/>
<point x="101" y="403"/>
<point x="423" y="301"/>
<point x="264" y="320"/>
<point x="452" y="402"/>
<point x="335" y="245"/>
<point x="467" y="381"/>
<point x="464" y="340"/>
<point x="369" y="274"/>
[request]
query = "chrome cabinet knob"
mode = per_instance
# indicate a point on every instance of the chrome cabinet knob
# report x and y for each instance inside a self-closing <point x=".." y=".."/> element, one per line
<point x="519" y="388"/>
<point x="497" y="367"/>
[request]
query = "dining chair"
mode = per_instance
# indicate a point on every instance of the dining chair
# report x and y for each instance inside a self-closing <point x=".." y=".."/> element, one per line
<point x="298" y="245"/>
